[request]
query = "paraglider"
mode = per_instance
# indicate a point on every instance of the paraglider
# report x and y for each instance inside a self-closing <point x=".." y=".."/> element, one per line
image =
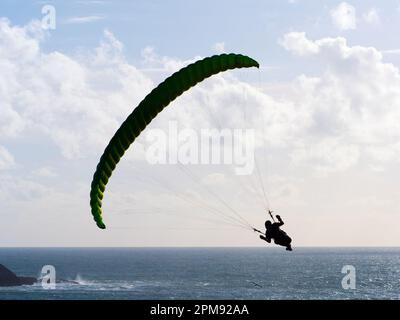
<point x="273" y="232"/>
<point x="148" y="109"/>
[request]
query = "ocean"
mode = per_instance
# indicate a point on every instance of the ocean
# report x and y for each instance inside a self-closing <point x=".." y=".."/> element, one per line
<point x="207" y="273"/>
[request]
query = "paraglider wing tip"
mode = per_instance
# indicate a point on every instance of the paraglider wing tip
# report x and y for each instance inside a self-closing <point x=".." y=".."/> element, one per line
<point x="101" y="225"/>
<point x="255" y="63"/>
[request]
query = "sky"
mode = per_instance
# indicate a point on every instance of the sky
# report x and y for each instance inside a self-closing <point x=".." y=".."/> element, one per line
<point x="324" y="104"/>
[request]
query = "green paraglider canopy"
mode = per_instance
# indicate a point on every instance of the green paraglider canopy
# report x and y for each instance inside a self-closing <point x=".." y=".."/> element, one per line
<point x="148" y="109"/>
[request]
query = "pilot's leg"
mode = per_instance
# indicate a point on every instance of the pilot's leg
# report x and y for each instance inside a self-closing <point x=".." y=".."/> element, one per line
<point x="265" y="239"/>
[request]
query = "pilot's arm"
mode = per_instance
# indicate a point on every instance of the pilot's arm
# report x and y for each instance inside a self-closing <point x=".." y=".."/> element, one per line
<point x="280" y="223"/>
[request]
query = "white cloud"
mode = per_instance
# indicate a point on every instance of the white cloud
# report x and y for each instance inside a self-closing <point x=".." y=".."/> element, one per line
<point x="14" y="189"/>
<point x="84" y="19"/>
<point x="76" y="101"/>
<point x="47" y="172"/>
<point x="219" y="47"/>
<point x="6" y="159"/>
<point x="355" y="101"/>
<point x="154" y="62"/>
<point x="298" y="43"/>
<point x="344" y="16"/>
<point x="327" y="155"/>
<point x="214" y="179"/>
<point x="371" y="16"/>
<point x="391" y="51"/>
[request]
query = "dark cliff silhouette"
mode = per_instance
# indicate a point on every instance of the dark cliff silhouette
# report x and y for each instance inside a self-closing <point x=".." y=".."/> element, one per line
<point x="9" y="278"/>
